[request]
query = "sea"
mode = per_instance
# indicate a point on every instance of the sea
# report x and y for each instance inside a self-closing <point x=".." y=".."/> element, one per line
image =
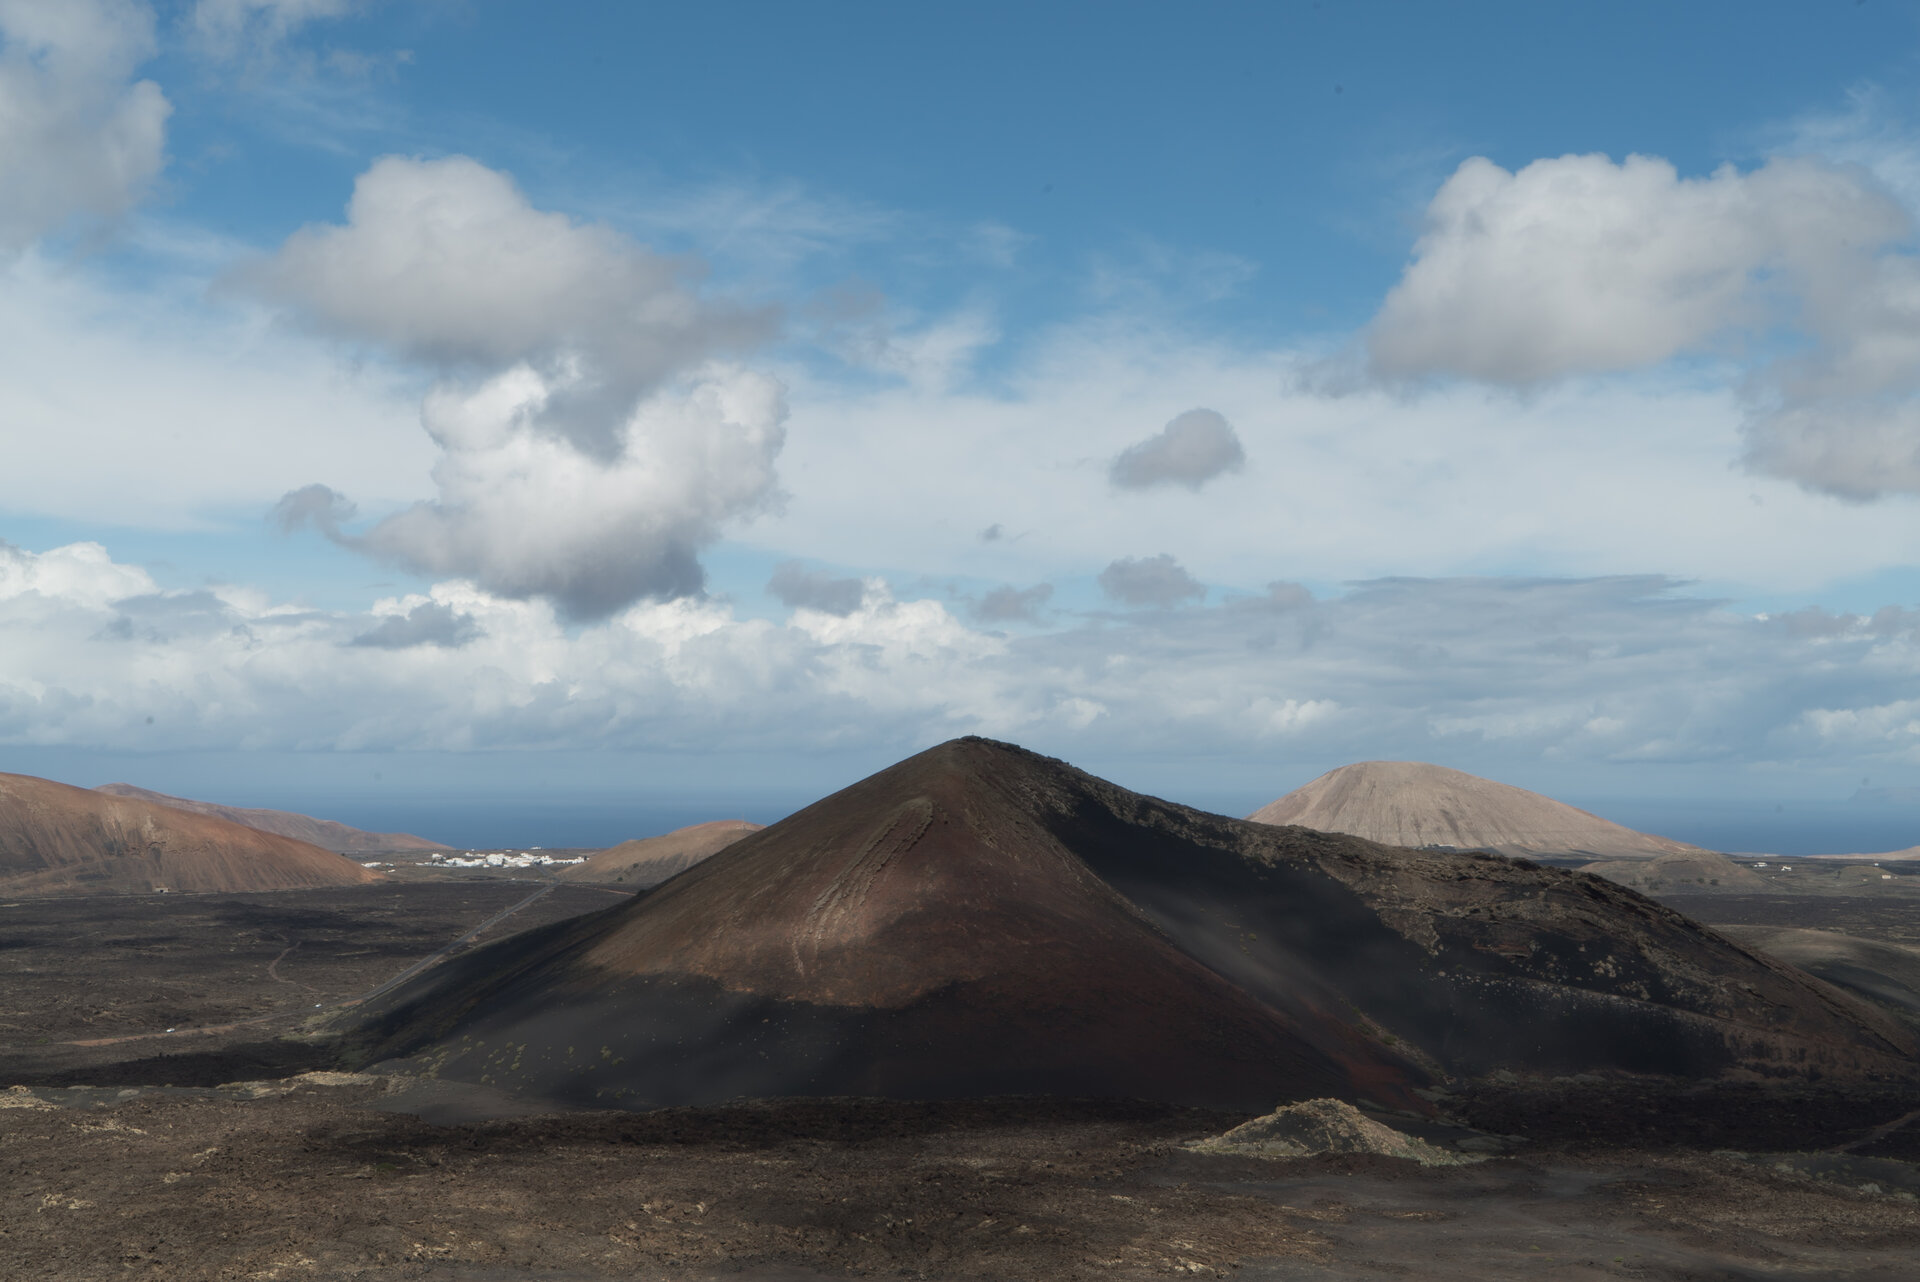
<point x="494" y="822"/>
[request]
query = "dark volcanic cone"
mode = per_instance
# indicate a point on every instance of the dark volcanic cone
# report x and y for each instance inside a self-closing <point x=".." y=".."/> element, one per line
<point x="58" y="840"/>
<point x="982" y="920"/>
<point x="324" y="833"/>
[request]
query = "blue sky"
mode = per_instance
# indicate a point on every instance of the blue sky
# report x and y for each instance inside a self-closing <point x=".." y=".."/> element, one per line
<point x="740" y="396"/>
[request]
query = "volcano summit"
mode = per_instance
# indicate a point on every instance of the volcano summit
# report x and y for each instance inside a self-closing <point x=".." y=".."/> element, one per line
<point x="982" y="920"/>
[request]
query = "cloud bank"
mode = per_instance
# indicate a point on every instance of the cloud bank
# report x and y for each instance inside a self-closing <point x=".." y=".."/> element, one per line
<point x="1616" y="670"/>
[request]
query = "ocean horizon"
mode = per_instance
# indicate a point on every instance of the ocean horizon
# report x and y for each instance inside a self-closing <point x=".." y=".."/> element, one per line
<point x="487" y="822"/>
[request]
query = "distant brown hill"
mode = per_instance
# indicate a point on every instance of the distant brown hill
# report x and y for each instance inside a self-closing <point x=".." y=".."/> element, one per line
<point x="1691" y="871"/>
<point x="59" y="840"/>
<point x="651" y="860"/>
<point x="1910" y="854"/>
<point x="1411" y="803"/>
<point x="981" y="920"/>
<point x="324" y="833"/>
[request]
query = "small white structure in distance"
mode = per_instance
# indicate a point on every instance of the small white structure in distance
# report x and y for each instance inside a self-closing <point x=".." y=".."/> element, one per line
<point x="501" y="859"/>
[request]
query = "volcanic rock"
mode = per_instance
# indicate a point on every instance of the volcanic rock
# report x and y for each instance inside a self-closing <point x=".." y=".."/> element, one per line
<point x="59" y="840"/>
<point x="1324" y="1126"/>
<point x="1411" y="803"/>
<point x="1874" y="969"/>
<point x="981" y="920"/>
<point x="651" y="860"/>
<point x="1693" y="871"/>
<point x="324" y="833"/>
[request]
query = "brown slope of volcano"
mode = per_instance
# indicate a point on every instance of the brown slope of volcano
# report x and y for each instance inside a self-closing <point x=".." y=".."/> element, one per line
<point x="324" y="833"/>
<point x="979" y="919"/>
<point x="1412" y="803"/>
<point x="59" y="840"/>
<point x="651" y="860"/>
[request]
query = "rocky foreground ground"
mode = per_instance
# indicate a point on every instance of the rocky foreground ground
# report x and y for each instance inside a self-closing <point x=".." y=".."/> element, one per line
<point x="316" y="1177"/>
<point x="313" y="1180"/>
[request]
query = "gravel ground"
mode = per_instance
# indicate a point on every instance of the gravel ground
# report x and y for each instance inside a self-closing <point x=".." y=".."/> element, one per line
<point x="311" y="1180"/>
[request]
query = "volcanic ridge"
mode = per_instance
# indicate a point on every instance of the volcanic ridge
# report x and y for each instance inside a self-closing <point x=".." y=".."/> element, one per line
<point x="324" y="833"/>
<point x="980" y="920"/>
<point x="1412" y="803"/>
<point x="651" y="860"/>
<point x="60" y="840"/>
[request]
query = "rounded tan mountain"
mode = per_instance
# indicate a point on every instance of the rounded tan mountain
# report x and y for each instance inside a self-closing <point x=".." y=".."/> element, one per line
<point x="648" y="861"/>
<point x="324" y="833"/>
<point x="60" y="840"/>
<point x="1412" y="803"/>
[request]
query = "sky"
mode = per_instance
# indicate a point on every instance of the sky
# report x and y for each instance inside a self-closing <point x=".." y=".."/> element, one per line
<point x="556" y="421"/>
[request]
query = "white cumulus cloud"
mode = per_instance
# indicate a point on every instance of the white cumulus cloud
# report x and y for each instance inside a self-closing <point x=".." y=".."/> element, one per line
<point x="589" y="444"/>
<point x="524" y="513"/>
<point x="79" y="137"/>
<point x="446" y="261"/>
<point x="1580" y="265"/>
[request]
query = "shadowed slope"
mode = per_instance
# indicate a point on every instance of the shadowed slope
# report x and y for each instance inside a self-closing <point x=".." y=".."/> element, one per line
<point x="979" y="919"/>
<point x="1411" y="803"/>
<point x="324" y="833"/>
<point x="651" y="860"/>
<point x="58" y="840"/>
<point x="1878" y="971"/>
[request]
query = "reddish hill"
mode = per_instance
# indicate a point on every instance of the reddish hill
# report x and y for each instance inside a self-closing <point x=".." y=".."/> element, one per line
<point x="651" y="860"/>
<point x="982" y="920"/>
<point x="324" y="833"/>
<point x="58" y="840"/>
<point x="1411" y="803"/>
